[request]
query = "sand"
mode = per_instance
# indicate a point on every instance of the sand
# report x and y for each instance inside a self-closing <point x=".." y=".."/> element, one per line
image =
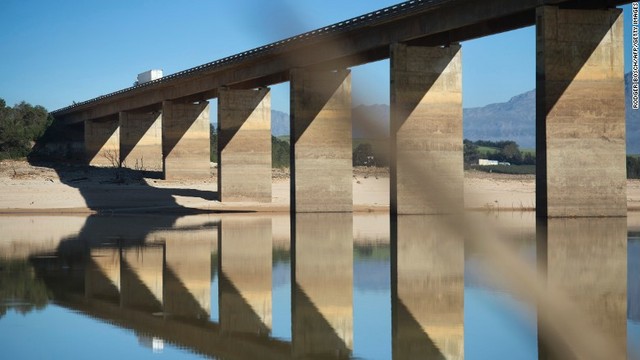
<point x="26" y="188"/>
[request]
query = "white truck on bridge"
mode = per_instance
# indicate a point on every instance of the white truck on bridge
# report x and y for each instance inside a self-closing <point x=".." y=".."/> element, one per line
<point x="148" y="76"/>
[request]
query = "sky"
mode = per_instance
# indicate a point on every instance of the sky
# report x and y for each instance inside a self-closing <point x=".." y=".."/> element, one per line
<point x="56" y="52"/>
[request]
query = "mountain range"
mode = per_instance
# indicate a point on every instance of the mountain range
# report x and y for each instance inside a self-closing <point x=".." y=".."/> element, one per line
<point x="511" y="120"/>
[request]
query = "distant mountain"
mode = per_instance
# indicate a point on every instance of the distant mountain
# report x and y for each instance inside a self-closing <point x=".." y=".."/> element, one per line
<point x="512" y="120"/>
<point x="279" y="123"/>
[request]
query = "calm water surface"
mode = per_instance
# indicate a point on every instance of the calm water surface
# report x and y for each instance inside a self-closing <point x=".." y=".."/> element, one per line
<point x="317" y="286"/>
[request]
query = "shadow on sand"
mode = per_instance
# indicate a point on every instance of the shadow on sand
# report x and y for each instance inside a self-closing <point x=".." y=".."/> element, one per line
<point x="121" y="190"/>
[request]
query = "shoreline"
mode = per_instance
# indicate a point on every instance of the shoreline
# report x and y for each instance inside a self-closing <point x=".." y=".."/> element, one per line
<point x="82" y="190"/>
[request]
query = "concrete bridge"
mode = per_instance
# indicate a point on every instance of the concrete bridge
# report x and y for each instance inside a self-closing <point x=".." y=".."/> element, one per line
<point x="164" y="124"/>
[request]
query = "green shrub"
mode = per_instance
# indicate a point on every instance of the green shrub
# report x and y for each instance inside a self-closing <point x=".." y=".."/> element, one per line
<point x="20" y="127"/>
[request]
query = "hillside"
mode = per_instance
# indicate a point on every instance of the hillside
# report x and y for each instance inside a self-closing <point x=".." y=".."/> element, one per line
<point x="279" y="123"/>
<point x="513" y="120"/>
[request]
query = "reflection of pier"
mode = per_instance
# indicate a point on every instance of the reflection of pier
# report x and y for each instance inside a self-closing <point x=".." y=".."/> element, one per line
<point x="245" y="281"/>
<point x="586" y="259"/>
<point x="196" y="335"/>
<point x="173" y="277"/>
<point x="322" y="281"/>
<point x="427" y="289"/>
<point x="142" y="277"/>
<point x="163" y="288"/>
<point x="634" y="277"/>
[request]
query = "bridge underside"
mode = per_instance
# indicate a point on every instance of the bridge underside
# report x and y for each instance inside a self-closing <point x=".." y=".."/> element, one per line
<point x="580" y="115"/>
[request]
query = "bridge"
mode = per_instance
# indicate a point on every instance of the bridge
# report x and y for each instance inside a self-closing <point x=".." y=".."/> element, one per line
<point x="164" y="124"/>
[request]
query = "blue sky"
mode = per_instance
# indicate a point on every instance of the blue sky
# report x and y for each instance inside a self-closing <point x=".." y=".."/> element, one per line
<point x="56" y="52"/>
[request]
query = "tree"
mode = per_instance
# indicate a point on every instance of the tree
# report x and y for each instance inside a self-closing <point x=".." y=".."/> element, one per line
<point x="633" y="167"/>
<point x="280" y="153"/>
<point x="529" y="159"/>
<point x="363" y="155"/>
<point x="471" y="153"/>
<point x="213" y="142"/>
<point x="20" y="127"/>
<point x="511" y="152"/>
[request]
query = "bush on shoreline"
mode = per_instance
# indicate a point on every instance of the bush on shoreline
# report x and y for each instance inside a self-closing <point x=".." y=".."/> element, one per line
<point x="20" y="127"/>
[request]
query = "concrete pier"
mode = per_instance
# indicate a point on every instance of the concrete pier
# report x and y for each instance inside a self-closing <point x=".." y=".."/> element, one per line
<point x="245" y="278"/>
<point x="322" y="305"/>
<point x="580" y="115"/>
<point x="141" y="140"/>
<point x="244" y="145"/>
<point x="427" y="289"/>
<point x="102" y="141"/>
<point x="321" y="153"/>
<point x="186" y="140"/>
<point x="426" y="129"/>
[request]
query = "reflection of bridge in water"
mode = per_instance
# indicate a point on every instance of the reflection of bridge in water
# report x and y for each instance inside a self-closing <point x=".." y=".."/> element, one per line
<point x="161" y="285"/>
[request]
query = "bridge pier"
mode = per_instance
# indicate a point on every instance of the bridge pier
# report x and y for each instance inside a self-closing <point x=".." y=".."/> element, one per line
<point x="580" y="113"/>
<point x="141" y="140"/>
<point x="321" y="153"/>
<point x="185" y="140"/>
<point x="427" y="171"/>
<point x="102" y="141"/>
<point x="244" y="145"/>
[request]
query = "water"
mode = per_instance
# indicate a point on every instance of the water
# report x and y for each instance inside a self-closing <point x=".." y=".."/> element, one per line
<point x="233" y="287"/>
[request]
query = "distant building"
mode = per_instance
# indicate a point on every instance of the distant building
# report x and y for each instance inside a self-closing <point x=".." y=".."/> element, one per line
<point x="486" y="162"/>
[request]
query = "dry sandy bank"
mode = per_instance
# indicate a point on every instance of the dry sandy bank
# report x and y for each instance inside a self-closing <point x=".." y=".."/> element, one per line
<point x="25" y="188"/>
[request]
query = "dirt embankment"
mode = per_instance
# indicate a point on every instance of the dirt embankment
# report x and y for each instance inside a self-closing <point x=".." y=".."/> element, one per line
<point x="73" y="188"/>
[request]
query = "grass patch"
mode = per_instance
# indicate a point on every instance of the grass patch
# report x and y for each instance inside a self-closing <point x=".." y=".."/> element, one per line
<point x="488" y="150"/>
<point x="286" y="138"/>
<point x="509" y="169"/>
